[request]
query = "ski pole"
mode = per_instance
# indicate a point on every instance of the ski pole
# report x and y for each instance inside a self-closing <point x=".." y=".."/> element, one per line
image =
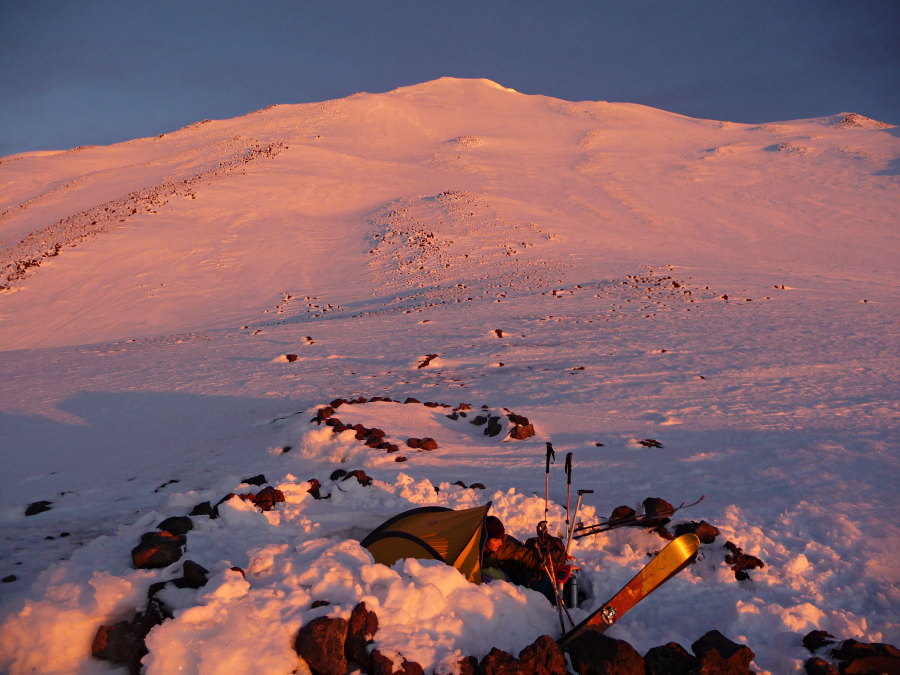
<point x="543" y="546"/>
<point x="574" y="517"/>
<point x="551" y="457"/>
<point x="568" y="487"/>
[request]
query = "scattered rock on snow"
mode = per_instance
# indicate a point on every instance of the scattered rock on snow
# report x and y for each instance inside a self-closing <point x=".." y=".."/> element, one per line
<point x="740" y="562"/>
<point x="670" y="659"/>
<point x="157" y="549"/>
<point x="717" y="654"/>
<point x="705" y="532"/>
<point x="321" y="644"/>
<point x="38" y="507"/>
<point x="594" y="653"/>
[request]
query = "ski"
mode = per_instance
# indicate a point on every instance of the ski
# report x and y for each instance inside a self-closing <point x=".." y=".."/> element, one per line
<point x="674" y="557"/>
<point x="634" y="521"/>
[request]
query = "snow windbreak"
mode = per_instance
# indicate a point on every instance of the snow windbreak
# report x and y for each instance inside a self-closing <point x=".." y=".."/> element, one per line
<point x="433" y="533"/>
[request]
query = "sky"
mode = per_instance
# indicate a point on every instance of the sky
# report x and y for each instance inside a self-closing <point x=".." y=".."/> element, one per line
<point x="103" y="71"/>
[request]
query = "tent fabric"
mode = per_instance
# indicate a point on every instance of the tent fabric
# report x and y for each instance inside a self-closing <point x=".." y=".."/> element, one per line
<point x="433" y="533"/>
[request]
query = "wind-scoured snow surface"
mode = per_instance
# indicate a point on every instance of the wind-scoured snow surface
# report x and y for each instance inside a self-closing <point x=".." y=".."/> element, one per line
<point x="727" y="290"/>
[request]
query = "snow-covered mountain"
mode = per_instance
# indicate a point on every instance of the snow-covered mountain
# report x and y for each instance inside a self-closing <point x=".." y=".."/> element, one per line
<point x="613" y="272"/>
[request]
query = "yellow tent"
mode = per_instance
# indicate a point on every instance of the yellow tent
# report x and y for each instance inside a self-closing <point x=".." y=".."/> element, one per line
<point x="433" y="533"/>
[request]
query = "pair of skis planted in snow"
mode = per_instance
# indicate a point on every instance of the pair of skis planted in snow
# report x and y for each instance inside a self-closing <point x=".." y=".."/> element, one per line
<point x="676" y="555"/>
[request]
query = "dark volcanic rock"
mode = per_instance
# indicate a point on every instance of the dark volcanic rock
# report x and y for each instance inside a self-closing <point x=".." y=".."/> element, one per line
<point x="382" y="665"/>
<point x="740" y="562"/>
<point x="498" y="662"/>
<point x="543" y="657"/>
<point x="360" y="630"/>
<point x="428" y="444"/>
<point x="176" y="525"/>
<point x="622" y="513"/>
<point x="258" y="479"/>
<point x="670" y="659"/>
<point x="522" y="431"/>
<point x="816" y="639"/>
<point x="819" y="666"/>
<point x="321" y="644"/>
<point x="863" y="658"/>
<point x="705" y="532"/>
<point x="360" y="475"/>
<point x="157" y="549"/>
<point x="594" y="653"/>
<point x="720" y="656"/>
<point x="493" y="428"/>
<point x="38" y="507"/>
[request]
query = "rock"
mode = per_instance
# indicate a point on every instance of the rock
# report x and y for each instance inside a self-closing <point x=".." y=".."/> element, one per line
<point x="266" y="498"/>
<point x="338" y="473"/>
<point x="720" y="656"/>
<point x="338" y="402"/>
<point x="315" y="488"/>
<point x="194" y="575"/>
<point x="9" y="578"/>
<point x="375" y="432"/>
<point x="321" y="644"/>
<point x="360" y="630"/>
<point x="705" y="532"/>
<point x="816" y="639"/>
<point x="479" y="420"/>
<point x="468" y="665"/>
<point x="318" y="603"/>
<point x="518" y="419"/>
<point x="543" y="657"/>
<point x="414" y="442"/>
<point x="119" y="644"/>
<point x="650" y="443"/>
<point x="37" y="507"/>
<point x="203" y="509"/>
<point x="493" y="428"/>
<point x="657" y="509"/>
<point x="259" y="479"/>
<point x="819" y="666"/>
<point x="410" y="399"/>
<point x="157" y="549"/>
<point x="498" y="662"/>
<point x="862" y="658"/>
<point x="622" y="513"/>
<point x="382" y="665"/>
<point x="522" y="431"/>
<point x="477" y="486"/>
<point x="428" y="444"/>
<point x="740" y="562"/>
<point x="669" y="659"/>
<point x="360" y="476"/>
<point x="594" y="653"/>
<point x="291" y="357"/>
<point x="176" y="525"/>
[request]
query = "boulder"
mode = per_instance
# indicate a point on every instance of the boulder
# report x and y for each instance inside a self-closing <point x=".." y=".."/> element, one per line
<point x="360" y="475"/>
<point x="705" y="532"/>
<point x="119" y="644"/>
<point x="176" y="525"/>
<point x="498" y="662"/>
<point x="862" y="658"/>
<point x="819" y="666"/>
<point x="321" y="644"/>
<point x="543" y="657"/>
<point x="468" y="665"/>
<point x="669" y="659"/>
<point x="37" y="507"/>
<point x="157" y="549"/>
<point x="720" y="656"/>
<point x="493" y="428"/>
<point x="203" y="509"/>
<point x="594" y="653"/>
<point x="258" y="480"/>
<point x="414" y="442"/>
<point x="740" y="562"/>
<point x="520" y="432"/>
<point x="816" y="639"/>
<point x="428" y="444"/>
<point x="657" y="509"/>
<point x="622" y="513"/>
<point x="194" y="575"/>
<point x="360" y="630"/>
<point x="266" y="498"/>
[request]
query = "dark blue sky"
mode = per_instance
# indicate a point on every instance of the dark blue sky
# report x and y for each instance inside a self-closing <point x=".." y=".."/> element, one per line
<point x="79" y="72"/>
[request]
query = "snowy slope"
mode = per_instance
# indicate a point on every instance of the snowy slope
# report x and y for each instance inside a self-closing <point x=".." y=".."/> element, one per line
<point x="726" y="289"/>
